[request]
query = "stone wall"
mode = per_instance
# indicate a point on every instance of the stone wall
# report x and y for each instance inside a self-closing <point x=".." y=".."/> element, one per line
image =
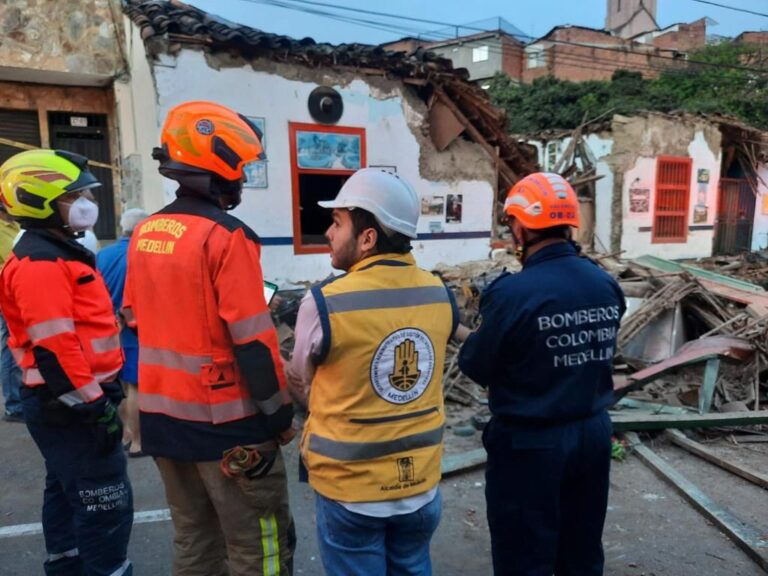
<point x="41" y="39"/>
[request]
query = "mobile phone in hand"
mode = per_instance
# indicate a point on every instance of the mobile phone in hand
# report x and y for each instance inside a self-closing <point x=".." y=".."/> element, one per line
<point x="270" y="289"/>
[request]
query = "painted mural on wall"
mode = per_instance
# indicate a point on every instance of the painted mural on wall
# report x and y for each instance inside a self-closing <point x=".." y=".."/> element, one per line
<point x="328" y="150"/>
<point x="256" y="172"/>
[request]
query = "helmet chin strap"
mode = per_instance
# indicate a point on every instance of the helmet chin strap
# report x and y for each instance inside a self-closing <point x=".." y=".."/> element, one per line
<point x="229" y="192"/>
<point x="522" y="247"/>
<point x="519" y="247"/>
<point x="226" y="193"/>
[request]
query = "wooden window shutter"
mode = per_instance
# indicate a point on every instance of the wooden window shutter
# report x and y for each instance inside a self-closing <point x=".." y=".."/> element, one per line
<point x="673" y="193"/>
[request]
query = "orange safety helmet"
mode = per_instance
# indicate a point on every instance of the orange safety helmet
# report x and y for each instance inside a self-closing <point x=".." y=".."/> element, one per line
<point x="205" y="137"/>
<point x="543" y="200"/>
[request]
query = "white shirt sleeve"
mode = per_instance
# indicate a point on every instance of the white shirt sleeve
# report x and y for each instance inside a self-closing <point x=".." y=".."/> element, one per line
<point x="300" y="369"/>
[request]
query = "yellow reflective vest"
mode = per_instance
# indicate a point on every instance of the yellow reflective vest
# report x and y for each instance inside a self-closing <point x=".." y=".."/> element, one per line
<point x="376" y="405"/>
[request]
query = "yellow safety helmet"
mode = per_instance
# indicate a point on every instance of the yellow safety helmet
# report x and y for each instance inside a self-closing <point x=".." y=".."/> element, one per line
<point x="30" y="181"/>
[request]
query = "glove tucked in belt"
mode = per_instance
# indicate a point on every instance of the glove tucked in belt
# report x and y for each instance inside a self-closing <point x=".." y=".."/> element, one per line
<point x="108" y="428"/>
<point x="254" y="461"/>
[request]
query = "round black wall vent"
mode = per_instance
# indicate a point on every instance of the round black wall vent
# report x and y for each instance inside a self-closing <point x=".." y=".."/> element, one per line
<point x="325" y="105"/>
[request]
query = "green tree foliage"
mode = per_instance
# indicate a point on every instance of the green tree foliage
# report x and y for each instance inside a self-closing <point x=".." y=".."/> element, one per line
<point x="726" y="78"/>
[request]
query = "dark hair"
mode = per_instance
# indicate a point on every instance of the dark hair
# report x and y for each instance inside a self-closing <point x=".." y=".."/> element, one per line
<point x="563" y="232"/>
<point x="397" y="243"/>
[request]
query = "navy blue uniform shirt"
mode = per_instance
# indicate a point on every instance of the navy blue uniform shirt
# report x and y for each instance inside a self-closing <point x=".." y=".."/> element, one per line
<point x="547" y="338"/>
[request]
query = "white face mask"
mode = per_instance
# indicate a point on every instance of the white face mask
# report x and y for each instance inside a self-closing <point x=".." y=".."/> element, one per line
<point x="82" y="214"/>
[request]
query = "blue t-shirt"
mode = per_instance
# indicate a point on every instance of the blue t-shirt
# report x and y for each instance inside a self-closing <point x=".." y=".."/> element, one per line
<point x="111" y="263"/>
<point x="547" y="338"/>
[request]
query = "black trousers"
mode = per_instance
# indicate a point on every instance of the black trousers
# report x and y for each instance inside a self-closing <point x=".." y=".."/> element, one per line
<point x="547" y="494"/>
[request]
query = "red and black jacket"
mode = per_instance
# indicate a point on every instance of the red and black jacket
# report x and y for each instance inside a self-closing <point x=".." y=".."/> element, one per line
<point x="63" y="330"/>
<point x="210" y="373"/>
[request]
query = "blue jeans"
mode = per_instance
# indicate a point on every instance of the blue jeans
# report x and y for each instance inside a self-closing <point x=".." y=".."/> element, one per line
<point x="87" y="502"/>
<point x="356" y="545"/>
<point x="10" y="374"/>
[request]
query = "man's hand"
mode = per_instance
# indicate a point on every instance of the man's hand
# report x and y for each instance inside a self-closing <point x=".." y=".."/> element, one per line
<point x="107" y="426"/>
<point x="286" y="436"/>
<point x="462" y="332"/>
<point x="109" y="429"/>
<point x="281" y="421"/>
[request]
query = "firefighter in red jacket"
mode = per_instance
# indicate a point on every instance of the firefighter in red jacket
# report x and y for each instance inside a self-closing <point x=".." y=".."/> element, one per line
<point x="213" y="402"/>
<point x="64" y="336"/>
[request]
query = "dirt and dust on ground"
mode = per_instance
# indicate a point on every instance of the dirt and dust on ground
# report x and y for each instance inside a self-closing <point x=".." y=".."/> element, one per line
<point x="650" y="530"/>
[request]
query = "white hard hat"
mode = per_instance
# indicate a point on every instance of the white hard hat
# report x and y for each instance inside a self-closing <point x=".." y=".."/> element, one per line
<point x="384" y="194"/>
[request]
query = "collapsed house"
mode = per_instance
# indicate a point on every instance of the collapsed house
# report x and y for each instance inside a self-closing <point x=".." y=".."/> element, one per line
<point x="326" y="111"/>
<point x="668" y="185"/>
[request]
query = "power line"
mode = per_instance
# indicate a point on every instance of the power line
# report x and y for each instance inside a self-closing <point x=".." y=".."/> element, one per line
<point x="734" y="8"/>
<point x="376" y="25"/>
<point x="400" y="17"/>
<point x="384" y="14"/>
<point x="387" y="27"/>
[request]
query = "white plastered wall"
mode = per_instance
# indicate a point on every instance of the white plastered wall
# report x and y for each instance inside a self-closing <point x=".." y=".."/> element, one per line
<point x="139" y="124"/>
<point x="637" y="226"/>
<point x="390" y="142"/>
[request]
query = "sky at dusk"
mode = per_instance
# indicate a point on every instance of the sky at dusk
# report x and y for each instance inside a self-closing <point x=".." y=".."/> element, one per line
<point x="534" y="19"/>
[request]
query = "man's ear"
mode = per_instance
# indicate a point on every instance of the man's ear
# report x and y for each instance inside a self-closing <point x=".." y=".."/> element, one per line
<point x="368" y="239"/>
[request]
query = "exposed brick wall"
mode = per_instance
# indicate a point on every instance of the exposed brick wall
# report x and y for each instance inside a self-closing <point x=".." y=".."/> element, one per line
<point x="760" y="38"/>
<point x="512" y="62"/>
<point x="597" y="57"/>
<point x="688" y="37"/>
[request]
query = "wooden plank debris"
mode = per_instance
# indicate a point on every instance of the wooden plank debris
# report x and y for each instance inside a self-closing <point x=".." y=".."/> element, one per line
<point x="663" y="299"/>
<point x="681" y="440"/>
<point x="653" y="407"/>
<point x="670" y="266"/>
<point x="703" y="349"/>
<point x="628" y="420"/>
<point x="453" y="463"/>
<point x="708" y="386"/>
<point x="749" y="539"/>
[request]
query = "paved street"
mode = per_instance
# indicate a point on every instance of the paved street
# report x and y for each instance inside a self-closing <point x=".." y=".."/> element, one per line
<point x="649" y="531"/>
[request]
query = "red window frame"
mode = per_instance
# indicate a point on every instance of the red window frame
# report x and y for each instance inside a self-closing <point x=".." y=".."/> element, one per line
<point x="672" y="200"/>
<point x="293" y="128"/>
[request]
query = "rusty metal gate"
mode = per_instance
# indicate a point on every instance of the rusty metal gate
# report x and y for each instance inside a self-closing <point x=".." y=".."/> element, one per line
<point x="735" y="215"/>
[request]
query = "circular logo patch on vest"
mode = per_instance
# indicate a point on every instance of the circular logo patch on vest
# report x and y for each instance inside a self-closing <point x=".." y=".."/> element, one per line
<point x="403" y="366"/>
<point x="204" y="127"/>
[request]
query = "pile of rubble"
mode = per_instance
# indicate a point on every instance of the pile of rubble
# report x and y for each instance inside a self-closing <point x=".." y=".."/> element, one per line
<point x="693" y="341"/>
<point x="691" y="338"/>
<point x="752" y="266"/>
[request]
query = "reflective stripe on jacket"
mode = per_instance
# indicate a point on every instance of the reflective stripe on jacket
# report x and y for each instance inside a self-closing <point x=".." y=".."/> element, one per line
<point x="194" y="291"/>
<point x="63" y="330"/>
<point x="376" y="407"/>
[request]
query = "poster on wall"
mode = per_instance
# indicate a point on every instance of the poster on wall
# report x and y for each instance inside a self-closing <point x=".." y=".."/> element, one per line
<point x="700" y="210"/>
<point x="453" y="208"/>
<point x="256" y="172"/>
<point x="639" y="200"/>
<point x="765" y="203"/>
<point x="327" y="150"/>
<point x="700" y="213"/>
<point x="433" y="205"/>
<point x="435" y="227"/>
